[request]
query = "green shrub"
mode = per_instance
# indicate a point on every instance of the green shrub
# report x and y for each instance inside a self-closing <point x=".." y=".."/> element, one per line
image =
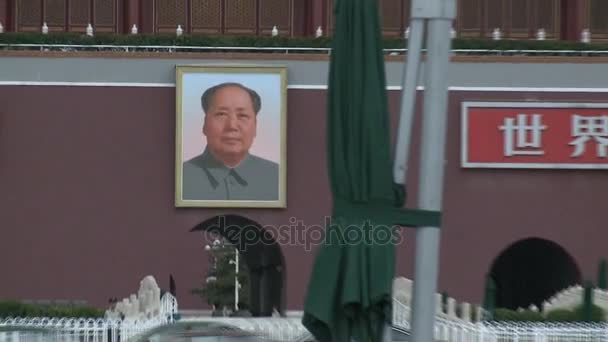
<point x="531" y="316"/>
<point x="558" y="315"/>
<point x="502" y="314"/>
<point x="576" y="314"/>
<point x="597" y="314"/>
<point x="11" y="308"/>
<point x="561" y="315"/>
<point x="267" y="41"/>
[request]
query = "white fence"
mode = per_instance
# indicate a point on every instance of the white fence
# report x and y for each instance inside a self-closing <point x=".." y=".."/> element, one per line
<point x="450" y="310"/>
<point x="450" y="329"/>
<point x="85" y="329"/>
<point x="520" y="332"/>
<point x="286" y="329"/>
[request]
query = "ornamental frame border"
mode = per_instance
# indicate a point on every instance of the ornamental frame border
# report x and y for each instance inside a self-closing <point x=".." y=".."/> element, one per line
<point x="465" y="105"/>
<point x="226" y="68"/>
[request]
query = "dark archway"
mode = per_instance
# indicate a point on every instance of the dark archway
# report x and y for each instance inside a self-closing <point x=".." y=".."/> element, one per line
<point x="263" y="257"/>
<point x="531" y="271"/>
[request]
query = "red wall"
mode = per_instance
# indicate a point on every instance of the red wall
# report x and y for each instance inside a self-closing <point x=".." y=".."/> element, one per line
<point x="4" y="14"/>
<point x="87" y="179"/>
<point x="487" y="210"/>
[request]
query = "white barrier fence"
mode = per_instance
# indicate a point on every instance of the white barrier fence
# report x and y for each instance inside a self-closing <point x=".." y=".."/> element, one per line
<point x="450" y="329"/>
<point x="71" y="329"/>
<point x="287" y="329"/>
<point x="450" y="310"/>
<point x="86" y="329"/>
<point x="520" y="332"/>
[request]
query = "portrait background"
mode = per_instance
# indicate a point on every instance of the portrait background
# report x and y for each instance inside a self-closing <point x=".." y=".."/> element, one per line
<point x="267" y="143"/>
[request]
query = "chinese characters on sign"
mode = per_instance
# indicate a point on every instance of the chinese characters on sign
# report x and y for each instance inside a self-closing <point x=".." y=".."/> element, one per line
<point x="523" y="134"/>
<point x="590" y="128"/>
<point x="534" y="135"/>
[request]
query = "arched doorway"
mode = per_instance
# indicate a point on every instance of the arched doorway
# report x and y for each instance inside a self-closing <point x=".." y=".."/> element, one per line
<point x="531" y="271"/>
<point x="262" y="255"/>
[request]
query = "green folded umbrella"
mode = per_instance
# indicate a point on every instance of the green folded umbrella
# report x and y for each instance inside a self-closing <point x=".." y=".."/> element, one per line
<point x="349" y="291"/>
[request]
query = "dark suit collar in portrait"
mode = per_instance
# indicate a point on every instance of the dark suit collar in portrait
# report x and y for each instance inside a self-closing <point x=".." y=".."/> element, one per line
<point x="217" y="171"/>
<point x="254" y="179"/>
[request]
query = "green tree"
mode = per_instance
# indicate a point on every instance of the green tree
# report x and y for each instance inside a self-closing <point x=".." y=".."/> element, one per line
<point x="489" y="299"/>
<point x="218" y="287"/>
<point x="602" y="282"/>
<point x="588" y="301"/>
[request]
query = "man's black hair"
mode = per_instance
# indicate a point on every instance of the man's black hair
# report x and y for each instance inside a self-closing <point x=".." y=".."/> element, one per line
<point x="210" y="93"/>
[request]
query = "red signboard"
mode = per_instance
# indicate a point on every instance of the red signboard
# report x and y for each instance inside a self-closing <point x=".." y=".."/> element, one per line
<point x="535" y="135"/>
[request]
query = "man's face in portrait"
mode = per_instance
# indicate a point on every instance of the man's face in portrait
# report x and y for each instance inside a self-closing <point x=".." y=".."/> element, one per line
<point x="230" y="124"/>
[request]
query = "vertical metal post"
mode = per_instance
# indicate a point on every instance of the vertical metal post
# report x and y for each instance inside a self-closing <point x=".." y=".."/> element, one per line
<point x="408" y="99"/>
<point x="431" y="181"/>
<point x="236" y="280"/>
<point x="439" y="15"/>
<point x="406" y="117"/>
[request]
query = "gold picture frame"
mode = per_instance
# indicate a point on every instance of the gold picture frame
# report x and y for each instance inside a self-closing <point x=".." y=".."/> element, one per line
<point x="230" y="146"/>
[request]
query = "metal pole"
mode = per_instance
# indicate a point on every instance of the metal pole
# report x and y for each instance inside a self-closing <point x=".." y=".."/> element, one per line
<point x="408" y="99"/>
<point x="236" y="280"/>
<point x="406" y="117"/>
<point x="440" y="14"/>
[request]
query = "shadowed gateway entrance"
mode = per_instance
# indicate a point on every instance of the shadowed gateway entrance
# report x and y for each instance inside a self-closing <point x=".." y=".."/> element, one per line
<point x="531" y="271"/>
<point x="263" y="257"/>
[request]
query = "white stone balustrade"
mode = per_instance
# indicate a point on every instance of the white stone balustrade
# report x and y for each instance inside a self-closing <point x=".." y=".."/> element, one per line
<point x="465" y="309"/>
<point x="572" y="296"/>
<point x="143" y="305"/>
<point x="568" y="298"/>
<point x="454" y="311"/>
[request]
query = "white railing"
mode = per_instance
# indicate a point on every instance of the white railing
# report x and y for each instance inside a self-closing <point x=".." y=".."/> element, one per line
<point x="76" y="329"/>
<point x="401" y="315"/>
<point x="65" y="329"/>
<point x="168" y="306"/>
<point x="451" y="331"/>
<point x="86" y="329"/>
<point x="451" y="310"/>
<point x="290" y="329"/>
<point x="285" y="50"/>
